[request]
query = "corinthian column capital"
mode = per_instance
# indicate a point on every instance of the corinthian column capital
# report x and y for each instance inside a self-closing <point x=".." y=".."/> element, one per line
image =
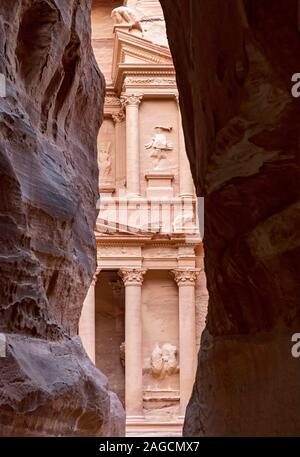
<point x="131" y="99"/>
<point x="186" y="276"/>
<point x="132" y="276"/>
<point x="118" y="117"/>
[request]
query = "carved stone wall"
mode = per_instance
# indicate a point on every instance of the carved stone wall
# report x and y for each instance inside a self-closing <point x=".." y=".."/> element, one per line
<point x="146" y="220"/>
<point x="49" y="188"/>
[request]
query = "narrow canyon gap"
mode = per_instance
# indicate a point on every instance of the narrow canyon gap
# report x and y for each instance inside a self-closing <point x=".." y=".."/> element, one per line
<point x="234" y="62"/>
<point x="49" y="122"/>
<point x="144" y="314"/>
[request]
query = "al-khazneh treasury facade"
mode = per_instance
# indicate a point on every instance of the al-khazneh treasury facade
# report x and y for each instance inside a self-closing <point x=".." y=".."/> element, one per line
<point x="144" y="313"/>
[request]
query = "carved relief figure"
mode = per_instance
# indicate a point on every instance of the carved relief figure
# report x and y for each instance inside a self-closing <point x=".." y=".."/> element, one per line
<point x="162" y="362"/>
<point x="122" y="354"/>
<point x="184" y="221"/>
<point x="159" y="145"/>
<point x="125" y="15"/>
<point x="105" y="160"/>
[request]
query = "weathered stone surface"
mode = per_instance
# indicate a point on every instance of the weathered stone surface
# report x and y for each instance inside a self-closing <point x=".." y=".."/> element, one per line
<point x="234" y="64"/>
<point x="49" y="188"/>
<point x="52" y="388"/>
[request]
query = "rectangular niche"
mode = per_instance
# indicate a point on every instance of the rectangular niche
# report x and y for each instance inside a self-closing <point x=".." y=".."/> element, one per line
<point x="159" y="123"/>
<point x="107" y="156"/>
<point x="160" y="343"/>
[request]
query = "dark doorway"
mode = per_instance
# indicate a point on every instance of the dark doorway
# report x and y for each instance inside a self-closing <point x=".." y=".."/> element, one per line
<point x="110" y="330"/>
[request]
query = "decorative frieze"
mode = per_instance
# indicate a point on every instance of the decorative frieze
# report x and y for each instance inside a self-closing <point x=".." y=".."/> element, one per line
<point x="112" y="101"/>
<point x="153" y="81"/>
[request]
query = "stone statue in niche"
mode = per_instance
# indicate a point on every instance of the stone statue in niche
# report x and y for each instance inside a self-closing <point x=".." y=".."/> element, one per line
<point x="159" y="146"/>
<point x="105" y="160"/>
<point x="162" y="362"/>
<point x="125" y="15"/>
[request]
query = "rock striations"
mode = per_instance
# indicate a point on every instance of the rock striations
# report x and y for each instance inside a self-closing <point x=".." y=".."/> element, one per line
<point x="49" y="122"/>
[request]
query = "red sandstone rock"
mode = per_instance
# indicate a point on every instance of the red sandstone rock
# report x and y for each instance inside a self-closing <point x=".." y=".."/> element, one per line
<point x="48" y="192"/>
<point x="234" y="63"/>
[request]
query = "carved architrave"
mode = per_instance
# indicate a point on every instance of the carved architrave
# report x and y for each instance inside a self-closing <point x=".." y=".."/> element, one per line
<point x="186" y="276"/>
<point x="132" y="276"/>
<point x="131" y="99"/>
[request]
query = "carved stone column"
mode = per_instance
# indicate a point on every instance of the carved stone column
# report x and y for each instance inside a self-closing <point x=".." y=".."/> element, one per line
<point x="185" y="176"/>
<point x="131" y="103"/>
<point x="185" y="279"/>
<point x="133" y="279"/>
<point x="87" y="320"/>
<point x="119" y="119"/>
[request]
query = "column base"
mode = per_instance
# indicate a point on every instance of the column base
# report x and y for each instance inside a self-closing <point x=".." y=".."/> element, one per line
<point x="186" y="196"/>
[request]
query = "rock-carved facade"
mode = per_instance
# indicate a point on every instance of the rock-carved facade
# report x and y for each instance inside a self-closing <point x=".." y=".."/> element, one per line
<point x="147" y="231"/>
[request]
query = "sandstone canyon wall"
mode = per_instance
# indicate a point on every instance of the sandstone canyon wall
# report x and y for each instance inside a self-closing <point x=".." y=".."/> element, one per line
<point x="48" y="191"/>
<point x="234" y="62"/>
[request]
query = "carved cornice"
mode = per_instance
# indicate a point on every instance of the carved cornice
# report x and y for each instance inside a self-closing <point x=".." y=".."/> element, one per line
<point x="151" y="71"/>
<point x="185" y="276"/>
<point x="131" y="99"/>
<point x="132" y="276"/>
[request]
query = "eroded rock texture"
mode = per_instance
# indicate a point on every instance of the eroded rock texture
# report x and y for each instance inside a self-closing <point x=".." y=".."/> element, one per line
<point x="234" y="62"/>
<point x="48" y="192"/>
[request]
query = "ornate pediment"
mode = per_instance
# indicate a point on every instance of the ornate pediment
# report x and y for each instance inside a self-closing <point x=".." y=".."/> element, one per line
<point x="133" y="54"/>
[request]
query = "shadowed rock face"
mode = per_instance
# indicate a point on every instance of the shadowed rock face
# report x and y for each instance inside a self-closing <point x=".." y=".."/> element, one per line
<point x="48" y="191"/>
<point x="234" y="62"/>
